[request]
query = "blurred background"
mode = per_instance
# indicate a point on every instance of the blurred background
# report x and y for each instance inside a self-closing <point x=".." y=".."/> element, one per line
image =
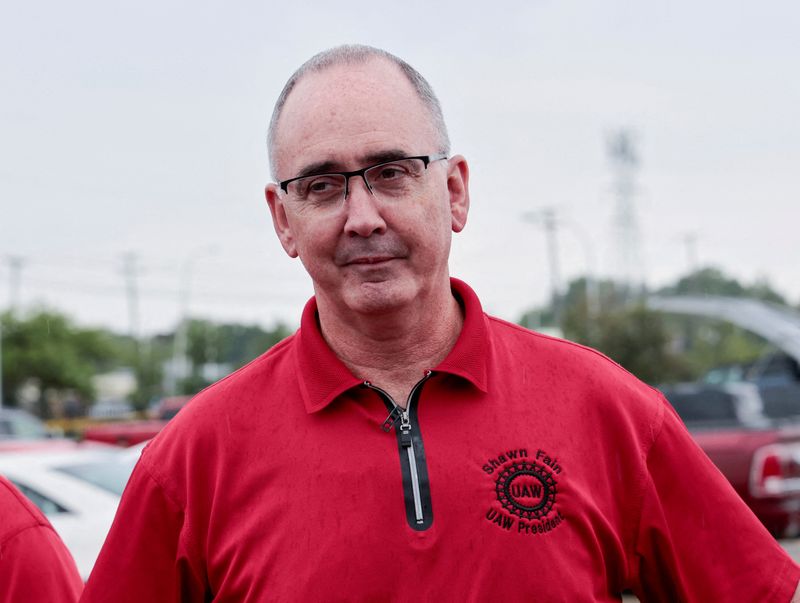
<point x="633" y="176"/>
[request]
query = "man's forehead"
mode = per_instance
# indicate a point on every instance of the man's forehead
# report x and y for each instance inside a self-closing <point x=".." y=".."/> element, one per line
<point x="376" y="76"/>
<point x="352" y="113"/>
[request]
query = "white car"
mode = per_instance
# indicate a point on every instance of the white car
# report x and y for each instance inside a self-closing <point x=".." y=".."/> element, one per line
<point x="78" y="489"/>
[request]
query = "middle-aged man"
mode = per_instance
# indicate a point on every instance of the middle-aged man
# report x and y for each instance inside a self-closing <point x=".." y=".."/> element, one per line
<point x="403" y="445"/>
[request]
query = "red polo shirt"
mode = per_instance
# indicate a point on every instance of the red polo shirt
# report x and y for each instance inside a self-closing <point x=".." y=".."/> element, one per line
<point x="35" y="566"/>
<point x="527" y="468"/>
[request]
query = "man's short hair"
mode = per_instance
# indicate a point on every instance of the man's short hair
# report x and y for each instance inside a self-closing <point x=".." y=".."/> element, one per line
<point x="349" y="54"/>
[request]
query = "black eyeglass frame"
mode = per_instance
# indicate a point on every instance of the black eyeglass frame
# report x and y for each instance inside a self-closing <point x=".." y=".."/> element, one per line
<point x="426" y="160"/>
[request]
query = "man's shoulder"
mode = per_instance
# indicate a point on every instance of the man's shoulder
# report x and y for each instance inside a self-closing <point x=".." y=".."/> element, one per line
<point x="568" y="365"/>
<point x="271" y="370"/>
<point x="547" y="348"/>
<point x="253" y="388"/>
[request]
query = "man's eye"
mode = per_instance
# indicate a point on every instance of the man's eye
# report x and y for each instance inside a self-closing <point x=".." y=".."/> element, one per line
<point x="319" y="187"/>
<point x="391" y="172"/>
<point x="323" y="186"/>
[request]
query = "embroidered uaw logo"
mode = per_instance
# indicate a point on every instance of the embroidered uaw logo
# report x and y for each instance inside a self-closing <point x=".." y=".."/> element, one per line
<point x="526" y="489"/>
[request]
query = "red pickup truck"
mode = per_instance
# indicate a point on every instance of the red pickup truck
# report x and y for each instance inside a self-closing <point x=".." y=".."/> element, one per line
<point x="752" y="434"/>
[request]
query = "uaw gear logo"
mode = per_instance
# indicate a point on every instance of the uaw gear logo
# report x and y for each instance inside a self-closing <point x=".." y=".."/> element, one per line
<point x="526" y="490"/>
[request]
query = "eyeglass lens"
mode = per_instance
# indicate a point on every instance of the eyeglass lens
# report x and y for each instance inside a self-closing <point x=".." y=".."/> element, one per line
<point x="387" y="181"/>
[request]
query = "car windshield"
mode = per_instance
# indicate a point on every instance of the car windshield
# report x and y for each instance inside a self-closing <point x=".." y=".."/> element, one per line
<point x="111" y="474"/>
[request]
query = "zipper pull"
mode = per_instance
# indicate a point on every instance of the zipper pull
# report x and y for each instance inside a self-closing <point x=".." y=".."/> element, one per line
<point x="405" y="430"/>
<point x="405" y="436"/>
<point x="393" y="417"/>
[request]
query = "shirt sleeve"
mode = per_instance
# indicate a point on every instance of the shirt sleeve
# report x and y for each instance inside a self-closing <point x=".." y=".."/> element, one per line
<point x="697" y="540"/>
<point x="35" y="567"/>
<point x="146" y="556"/>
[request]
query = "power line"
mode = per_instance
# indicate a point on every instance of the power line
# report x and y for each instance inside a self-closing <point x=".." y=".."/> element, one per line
<point x="219" y="270"/>
<point x="203" y="295"/>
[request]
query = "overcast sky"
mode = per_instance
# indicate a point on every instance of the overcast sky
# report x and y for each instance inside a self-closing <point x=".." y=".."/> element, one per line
<point x="139" y="128"/>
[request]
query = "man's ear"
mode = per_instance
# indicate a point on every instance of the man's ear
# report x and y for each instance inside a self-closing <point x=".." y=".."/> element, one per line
<point x="279" y="220"/>
<point x="458" y="187"/>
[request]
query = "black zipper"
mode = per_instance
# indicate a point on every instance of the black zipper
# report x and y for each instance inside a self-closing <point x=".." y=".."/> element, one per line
<point x="414" y="469"/>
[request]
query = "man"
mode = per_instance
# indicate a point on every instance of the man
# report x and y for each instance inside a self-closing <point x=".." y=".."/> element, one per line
<point x="35" y="566"/>
<point x="402" y="445"/>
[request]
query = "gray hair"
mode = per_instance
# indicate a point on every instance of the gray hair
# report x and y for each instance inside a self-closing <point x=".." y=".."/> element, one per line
<point x="349" y="54"/>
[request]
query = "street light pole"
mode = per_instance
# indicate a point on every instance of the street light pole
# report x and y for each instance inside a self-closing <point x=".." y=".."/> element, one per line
<point x="180" y="362"/>
<point x="592" y="293"/>
<point x="547" y="218"/>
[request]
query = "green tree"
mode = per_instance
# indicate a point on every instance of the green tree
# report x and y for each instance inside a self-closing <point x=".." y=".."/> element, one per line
<point x="630" y="334"/>
<point x="147" y="358"/>
<point x="45" y="348"/>
<point x="637" y="339"/>
<point x="659" y="347"/>
<point x="231" y="345"/>
<point x="712" y="281"/>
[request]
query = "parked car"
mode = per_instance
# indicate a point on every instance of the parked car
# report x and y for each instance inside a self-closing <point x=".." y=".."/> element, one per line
<point x="168" y="407"/>
<point x="752" y="435"/>
<point x="111" y="409"/>
<point x="78" y="489"/>
<point x="18" y="424"/>
<point x="128" y="433"/>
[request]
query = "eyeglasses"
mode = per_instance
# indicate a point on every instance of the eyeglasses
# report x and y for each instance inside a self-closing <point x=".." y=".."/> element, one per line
<point x="389" y="181"/>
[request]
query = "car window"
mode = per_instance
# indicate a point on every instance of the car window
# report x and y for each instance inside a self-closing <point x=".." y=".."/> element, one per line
<point x="704" y="406"/>
<point x="781" y="401"/>
<point x="46" y="505"/>
<point x="110" y="475"/>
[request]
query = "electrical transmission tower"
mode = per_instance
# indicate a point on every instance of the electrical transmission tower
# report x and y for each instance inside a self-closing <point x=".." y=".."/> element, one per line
<point x="628" y="262"/>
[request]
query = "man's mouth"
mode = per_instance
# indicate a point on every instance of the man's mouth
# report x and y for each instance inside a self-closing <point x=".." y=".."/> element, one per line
<point x="371" y="260"/>
<point x="369" y="252"/>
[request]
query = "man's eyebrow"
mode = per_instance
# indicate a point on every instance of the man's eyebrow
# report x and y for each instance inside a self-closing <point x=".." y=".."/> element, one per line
<point x="327" y="166"/>
<point x="381" y="156"/>
<point x="320" y="167"/>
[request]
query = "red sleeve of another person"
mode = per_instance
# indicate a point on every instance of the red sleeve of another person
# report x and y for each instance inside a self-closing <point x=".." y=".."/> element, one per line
<point x="145" y="557"/>
<point x="697" y="540"/>
<point x="35" y="566"/>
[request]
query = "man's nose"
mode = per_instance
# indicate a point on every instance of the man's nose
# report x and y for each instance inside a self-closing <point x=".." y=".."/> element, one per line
<point x="364" y="217"/>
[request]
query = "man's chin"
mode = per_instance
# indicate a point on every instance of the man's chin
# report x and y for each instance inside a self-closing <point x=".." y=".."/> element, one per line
<point x="378" y="296"/>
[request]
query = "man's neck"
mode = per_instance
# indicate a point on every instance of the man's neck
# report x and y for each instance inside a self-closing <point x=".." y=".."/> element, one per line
<point x="393" y="350"/>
